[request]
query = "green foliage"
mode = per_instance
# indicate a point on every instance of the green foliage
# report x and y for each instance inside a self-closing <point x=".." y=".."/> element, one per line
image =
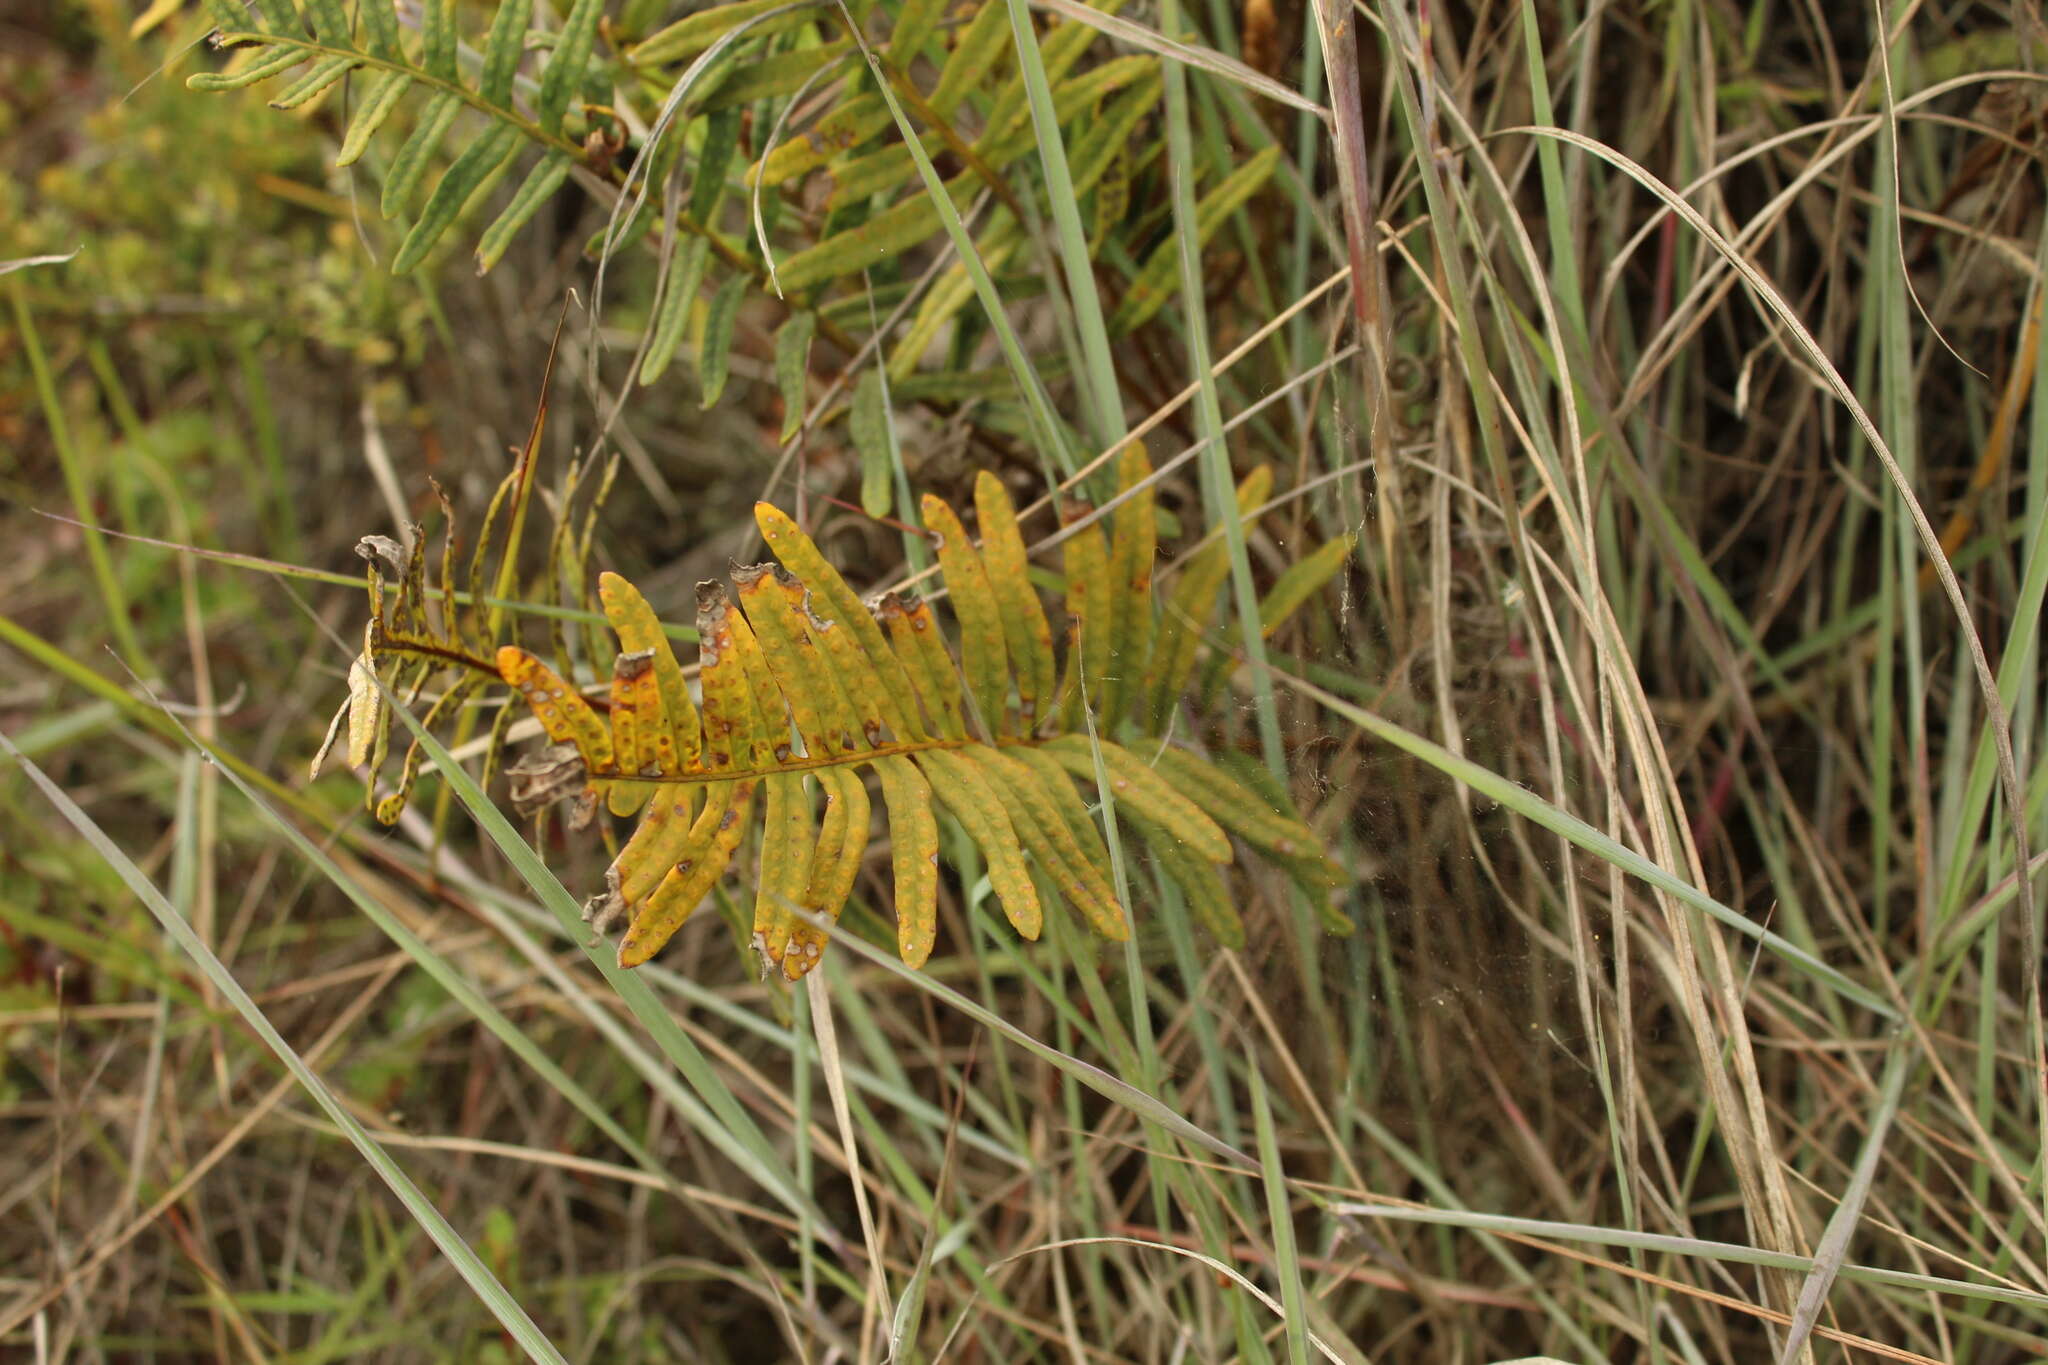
<point x="273" y="40"/>
<point x="150" y="213"/>
<point x="803" y="685"/>
<point x="820" y="139"/>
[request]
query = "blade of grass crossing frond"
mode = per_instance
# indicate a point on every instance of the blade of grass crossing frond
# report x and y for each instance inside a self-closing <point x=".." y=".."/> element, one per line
<point x="963" y="792"/>
<point x="1200" y="884"/>
<point x="1217" y="482"/>
<point x="1280" y="1218"/>
<point x="467" y="1263"/>
<point x="1051" y="839"/>
<point x="1058" y="783"/>
<point x="1234" y="805"/>
<point x="1045" y="425"/>
<point x="733" y="1132"/>
<point x="1138" y="783"/>
<point x="1101" y="389"/>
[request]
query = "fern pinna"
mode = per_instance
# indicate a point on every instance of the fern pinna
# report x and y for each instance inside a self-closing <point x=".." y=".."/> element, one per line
<point x="800" y="686"/>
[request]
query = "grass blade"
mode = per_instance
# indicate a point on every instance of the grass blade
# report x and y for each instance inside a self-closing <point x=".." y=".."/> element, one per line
<point x="459" y="1253"/>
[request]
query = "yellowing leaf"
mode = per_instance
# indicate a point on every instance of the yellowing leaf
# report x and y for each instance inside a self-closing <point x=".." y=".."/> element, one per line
<point x="981" y="814"/>
<point x="913" y="856"/>
<point x="915" y="640"/>
<point x="1150" y="794"/>
<point x="1024" y="625"/>
<point x="687" y="883"/>
<point x="641" y="743"/>
<point x="889" y="684"/>
<point x="842" y="839"/>
<point x="788" y="841"/>
<point x="983" y="657"/>
<point x="640" y="633"/>
<point x="560" y="708"/>
<point x="734" y="731"/>
<point x="1133" y="544"/>
<point x="1046" y="833"/>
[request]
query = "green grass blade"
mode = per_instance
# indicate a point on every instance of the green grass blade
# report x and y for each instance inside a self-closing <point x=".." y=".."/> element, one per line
<point x="1046" y="429"/>
<point x="736" y="1133"/>
<point x="459" y="1253"/>
<point x="1100" y="388"/>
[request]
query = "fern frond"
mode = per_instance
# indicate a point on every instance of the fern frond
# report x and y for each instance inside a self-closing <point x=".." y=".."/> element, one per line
<point x="374" y="44"/>
<point x="803" y="686"/>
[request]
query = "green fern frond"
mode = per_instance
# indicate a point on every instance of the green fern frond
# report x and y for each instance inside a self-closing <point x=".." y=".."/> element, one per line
<point x="508" y="110"/>
<point x="272" y="41"/>
<point x="803" y="687"/>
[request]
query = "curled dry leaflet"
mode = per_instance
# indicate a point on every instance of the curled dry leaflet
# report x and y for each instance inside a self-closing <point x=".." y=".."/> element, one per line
<point x="802" y="689"/>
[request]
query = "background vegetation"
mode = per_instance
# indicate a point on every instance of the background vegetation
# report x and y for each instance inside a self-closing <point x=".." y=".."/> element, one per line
<point x="1692" y="1008"/>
